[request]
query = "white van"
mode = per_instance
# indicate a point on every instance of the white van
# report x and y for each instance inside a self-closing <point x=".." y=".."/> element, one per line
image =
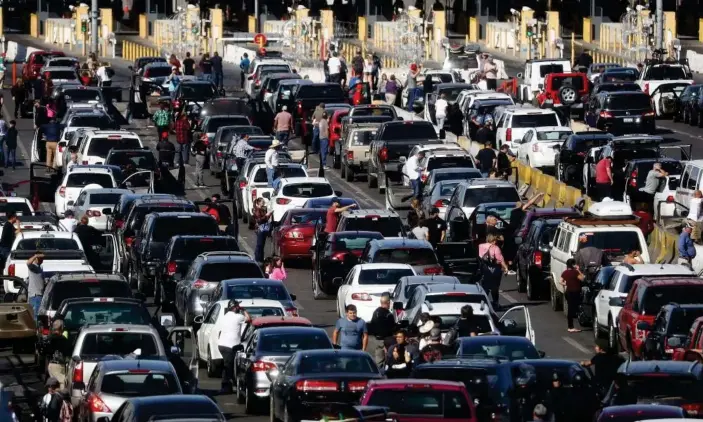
<point x="691" y="180"/>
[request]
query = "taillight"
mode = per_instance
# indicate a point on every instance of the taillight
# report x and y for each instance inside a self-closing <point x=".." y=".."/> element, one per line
<point x="219" y="154"/>
<point x="606" y="115"/>
<point x="357" y="386"/>
<point x="62" y="191"/>
<point x="633" y="178"/>
<point x="199" y="284"/>
<point x="97" y="405"/>
<point x="257" y="82"/>
<point x="204" y="138"/>
<point x="537" y="258"/>
<point x="292" y="234"/>
<point x="78" y="372"/>
<point x="171" y="268"/>
<point x="282" y="201"/>
<point x="318" y="386"/>
<point x="693" y="409"/>
<point x="129" y="241"/>
<point x="11" y="270"/>
<point x="242" y="185"/>
<point x="670" y="199"/>
<point x="364" y="297"/>
<point x="262" y="366"/>
<point x="176" y="103"/>
<point x="646" y="88"/>
<point x="45" y="331"/>
<point x="85" y="162"/>
<point x="339" y="256"/>
<point x="253" y="195"/>
<point x="147" y="74"/>
<point x="438" y="204"/>
<point x="350" y="155"/>
<point x="383" y="154"/>
<point x="509" y="135"/>
<point x="292" y="312"/>
<point x="433" y="270"/>
<point x="423" y="177"/>
<point x="61" y="147"/>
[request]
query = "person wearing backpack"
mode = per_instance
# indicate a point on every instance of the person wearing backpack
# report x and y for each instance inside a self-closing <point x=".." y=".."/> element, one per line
<point x="54" y="407"/>
<point x="492" y="267"/>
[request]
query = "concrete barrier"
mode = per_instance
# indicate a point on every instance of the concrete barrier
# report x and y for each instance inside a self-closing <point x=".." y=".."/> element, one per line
<point x="132" y="50"/>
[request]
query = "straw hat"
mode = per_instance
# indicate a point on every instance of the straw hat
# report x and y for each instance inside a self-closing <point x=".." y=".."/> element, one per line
<point x="275" y="144"/>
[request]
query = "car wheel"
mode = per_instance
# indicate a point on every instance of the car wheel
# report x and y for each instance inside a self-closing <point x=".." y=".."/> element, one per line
<point x="250" y="403"/>
<point x="239" y="208"/>
<point x="211" y="367"/>
<point x="238" y="391"/>
<point x="520" y="279"/>
<point x="676" y="117"/>
<point x="613" y="342"/>
<point x="372" y="181"/>
<point x="530" y="288"/>
<point x="272" y="413"/>
<point x="158" y="294"/>
<point x="343" y="171"/>
<point x="597" y="334"/>
<point x="245" y="217"/>
<point x="349" y="174"/>
<point x="143" y="285"/>
<point x="555" y="299"/>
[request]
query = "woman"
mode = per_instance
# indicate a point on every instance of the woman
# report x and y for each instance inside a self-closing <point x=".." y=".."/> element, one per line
<point x="262" y="221"/>
<point x="206" y="67"/>
<point x="368" y="70"/>
<point x="571" y="281"/>
<point x="411" y="85"/>
<point x="278" y="271"/>
<point x="19" y="95"/>
<point x="382" y="84"/>
<point x="492" y="267"/>
<point x="174" y="62"/>
<point x="392" y="89"/>
<point x="416" y="214"/>
<point x="634" y="257"/>
<point x="173" y="80"/>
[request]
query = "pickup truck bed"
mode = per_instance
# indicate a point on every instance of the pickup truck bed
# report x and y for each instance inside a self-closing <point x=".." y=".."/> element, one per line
<point x="54" y="261"/>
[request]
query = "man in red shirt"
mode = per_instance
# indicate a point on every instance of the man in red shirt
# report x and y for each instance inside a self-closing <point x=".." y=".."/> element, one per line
<point x="333" y="215"/>
<point x="604" y="178"/>
<point x="183" y="138"/>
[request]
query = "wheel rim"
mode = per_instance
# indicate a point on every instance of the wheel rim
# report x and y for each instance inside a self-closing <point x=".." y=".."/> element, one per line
<point x="611" y="336"/>
<point x="595" y="327"/>
<point x="568" y="95"/>
<point x="528" y="287"/>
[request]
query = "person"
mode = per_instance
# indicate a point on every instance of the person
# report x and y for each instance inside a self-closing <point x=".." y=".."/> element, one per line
<point x="392" y="89"/>
<point x="456" y="120"/>
<point x="200" y="152"/>
<point x="486" y="158"/>
<point x="686" y="247"/>
<point x="491" y="261"/>
<point x="183" y="138"/>
<point x="589" y="256"/>
<point x="332" y="217"/>
<point x="39" y="114"/>
<point x="166" y="150"/>
<point x="427" y="85"/>
<point x="324" y="128"/>
<point x="375" y="70"/>
<point x="283" y="125"/>
<point x="174" y="62"/>
<point x="358" y="63"/>
<point x="381" y="88"/>
<point x="316" y="117"/>
<point x="9" y="232"/>
<point x="243" y="68"/>
<point x="492" y="226"/>
<point x="2" y="71"/>
<point x="416" y="214"/>
<point x="334" y="66"/>
<point x="584" y="59"/>
<point x="517" y="214"/>
<point x="434" y="350"/>
<point x="490" y="71"/>
<point x="633" y="257"/>
<point x="350" y="331"/>
<point x="571" y="280"/>
<point x="557" y="400"/>
<point x="441" y="106"/>
<point x="420" y="231"/>
<point x="35" y="282"/>
<point x="437" y="227"/>
<point x="173" y="80"/>
<point x="465" y="326"/>
<point x="262" y="221"/>
<point x="229" y="340"/>
<point x="104" y="75"/>
<point x="73" y="159"/>
<point x="241" y="150"/>
<point x="53" y="402"/>
<point x="217" y="70"/>
<point x="651" y="184"/>
<point x="162" y="119"/>
<point x="57" y="349"/>
<point x="646" y="223"/>
<point x="52" y="133"/>
<point x="89" y="237"/>
<point x="606" y="362"/>
<point x="381" y="328"/>
<point x="19" y="95"/>
<point x="271" y="161"/>
<point x="11" y="145"/>
<point x="398" y="358"/>
<point x="278" y="271"/>
<point x="355" y="79"/>
<point x="411" y="85"/>
<point x="92" y="61"/>
<point x="189" y="66"/>
<point x="504" y="160"/>
<point x="412" y="170"/>
<point x="205" y="67"/>
<point x="68" y="222"/>
<point x="604" y="178"/>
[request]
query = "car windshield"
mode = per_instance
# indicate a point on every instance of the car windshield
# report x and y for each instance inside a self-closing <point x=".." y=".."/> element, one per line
<point x="104" y="198"/>
<point x="118" y="343"/>
<point x="326" y="364"/>
<point x="62" y="74"/>
<point x="217" y="122"/>
<point x="374" y="111"/>
<point x="455" y="297"/>
<point x="433" y="402"/>
<point x="140" y="382"/>
<point x="447" y="188"/>
<point x="414" y="256"/>
<point x="455" y="175"/>
<point x="574" y="81"/>
<point x="665" y="72"/>
<point x="476" y="197"/>
<point x="263" y="311"/>
<point x="242" y="130"/>
<point x="284" y="172"/>
<point x="67" y="62"/>
<point x="635" y="101"/>
<point x="489" y="388"/>
<point x="658" y="296"/>
<point x="673" y="168"/>
<point x="99" y="121"/>
<point x="682" y="319"/>
<point x="646" y="388"/>
<point x="289" y="343"/>
<point x="441" y="78"/>
<point x="512" y="350"/>
<point x="597" y="68"/>
<point x="82" y="95"/>
<point x="409" y="130"/>
<point x="168" y="227"/>
<point x="552" y="135"/>
<point x="353" y="242"/>
<point x="218" y="271"/>
<point x="140" y="160"/>
<point x="613" y="243"/>
<point x="308" y="217"/>
<point x="81" y="180"/>
<point x="450" y="162"/>
<point x="197" y="92"/>
<point x="363" y="137"/>
<point x="307" y="190"/>
<point x="534" y="120"/>
<point x="21" y="208"/>
<point x="100" y="288"/>
<point x="47" y="243"/>
<point x="256" y="291"/>
<point x="188" y="249"/>
<point x="141" y="211"/>
<point x="619" y="76"/>
<point x="618" y="87"/>
<point x="81" y="314"/>
<point x="387" y="226"/>
<point x="384" y="276"/>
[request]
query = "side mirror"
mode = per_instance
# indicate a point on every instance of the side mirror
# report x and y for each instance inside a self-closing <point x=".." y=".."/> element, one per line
<point x="175" y="350"/>
<point x="293" y="297"/>
<point x="167" y="320"/>
<point x="266" y="195"/>
<point x="551" y="244"/>
<point x="107" y="211"/>
<point x="338" y="193"/>
<point x="674" y="342"/>
<point x="541" y="353"/>
<point x="76" y="359"/>
<point x="644" y="326"/>
<point x="198" y="319"/>
<point x="337" y="281"/>
<point x="617" y="301"/>
<point x="556" y="147"/>
<point x="70" y="203"/>
<point x="140" y="296"/>
<point x="397" y="306"/>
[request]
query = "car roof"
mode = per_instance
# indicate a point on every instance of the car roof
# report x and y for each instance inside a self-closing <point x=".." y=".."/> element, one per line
<point x="484" y="183"/>
<point x="364" y="213"/>
<point x="89" y="277"/>
<point x="283" y="329"/>
<point x="121" y="365"/>
<point x="252" y="302"/>
<point x="671" y="281"/>
<point x="179" y="400"/>
<point x="459" y="288"/>
<point x="404" y="243"/>
<point x="384" y="266"/>
<point x="431" y="279"/>
<point x="268" y="320"/>
<point x="251" y="281"/>
<point x="300" y="180"/>
<point x="654" y="269"/>
<point x="104" y="328"/>
<point x="653" y="367"/>
<point x="107" y="190"/>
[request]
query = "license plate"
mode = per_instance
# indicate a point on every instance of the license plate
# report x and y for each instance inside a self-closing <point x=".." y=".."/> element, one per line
<point x="628" y="120"/>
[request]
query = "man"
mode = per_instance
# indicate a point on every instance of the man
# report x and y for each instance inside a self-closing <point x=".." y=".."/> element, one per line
<point x="333" y="212"/>
<point x="104" y="75"/>
<point x="68" y="222"/>
<point x="283" y="125"/>
<point x="437" y="227"/>
<point x="651" y="184"/>
<point x="381" y="328"/>
<point x="89" y="235"/>
<point x="57" y="350"/>
<point x="441" y="106"/>
<point x="687" y="250"/>
<point x="217" y="71"/>
<point x="324" y="128"/>
<point x="200" y="152"/>
<point x="350" y="331"/>
<point x="162" y="120"/>
<point x="241" y="149"/>
<point x="335" y="67"/>
<point x="243" y="68"/>
<point x="271" y="161"/>
<point x="427" y="85"/>
<point x="606" y="363"/>
<point x="604" y="178"/>
<point x="540" y="413"/>
<point x="466" y="326"/>
<point x="52" y="133"/>
<point x="35" y="282"/>
<point x="316" y="117"/>
<point x="413" y="170"/>
<point x="183" y="139"/>
<point x="486" y="158"/>
<point x="189" y="66"/>
<point x="11" y="144"/>
<point x="504" y="161"/>
<point x="584" y="59"/>
<point x="490" y="71"/>
<point x="358" y="63"/>
<point x="434" y="350"/>
<point x="9" y="231"/>
<point x="589" y="256"/>
<point x="229" y="340"/>
<point x="557" y="400"/>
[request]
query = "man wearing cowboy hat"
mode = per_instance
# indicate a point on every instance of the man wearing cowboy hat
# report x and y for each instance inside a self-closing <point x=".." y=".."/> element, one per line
<point x="271" y="161"/>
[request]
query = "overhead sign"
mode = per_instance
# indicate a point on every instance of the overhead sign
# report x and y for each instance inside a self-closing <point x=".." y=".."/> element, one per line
<point x="260" y="39"/>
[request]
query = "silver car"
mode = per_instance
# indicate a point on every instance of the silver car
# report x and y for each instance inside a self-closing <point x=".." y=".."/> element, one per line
<point x="116" y="381"/>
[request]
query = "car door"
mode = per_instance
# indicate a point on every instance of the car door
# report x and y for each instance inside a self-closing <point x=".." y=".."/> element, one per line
<point x="109" y="257"/>
<point x="524" y="145"/>
<point x="245" y="357"/>
<point x="184" y="344"/>
<point x="35" y="147"/>
<point x="140" y="182"/>
<point x="501" y="128"/>
<point x="558" y="258"/>
<point x="682" y="152"/>
<point x="458" y="259"/>
<point x="523" y="323"/>
<point x="608" y="279"/>
<point x="206" y="329"/>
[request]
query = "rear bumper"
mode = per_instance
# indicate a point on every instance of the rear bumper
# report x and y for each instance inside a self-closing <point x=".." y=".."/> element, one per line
<point x="296" y="249"/>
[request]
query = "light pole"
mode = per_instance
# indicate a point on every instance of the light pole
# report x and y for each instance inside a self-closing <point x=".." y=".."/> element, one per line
<point x="94" y="26"/>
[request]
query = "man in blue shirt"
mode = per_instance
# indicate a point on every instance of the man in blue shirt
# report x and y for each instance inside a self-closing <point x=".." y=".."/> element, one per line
<point x="244" y="67"/>
<point x="687" y="250"/>
<point x="350" y="331"/>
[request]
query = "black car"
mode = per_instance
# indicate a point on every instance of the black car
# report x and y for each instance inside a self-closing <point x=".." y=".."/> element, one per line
<point x="571" y="155"/>
<point x="138" y="159"/>
<point x="312" y="379"/>
<point x="533" y="258"/>
<point x="669" y="330"/>
<point x="149" y="248"/>
<point x="285" y="93"/>
<point x="121" y="209"/>
<point x="307" y="98"/>
<point x="622" y="112"/>
<point x="180" y="253"/>
<point x="688" y="106"/>
<point x="226" y="105"/>
<point x="190" y="95"/>
<point x="480" y="108"/>
<point x="174" y="407"/>
<point x="636" y="176"/>
<point x="610" y="87"/>
<point x="499" y="347"/>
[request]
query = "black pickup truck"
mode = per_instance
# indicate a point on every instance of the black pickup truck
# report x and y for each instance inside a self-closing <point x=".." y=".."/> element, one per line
<point x="390" y="149"/>
<point x="306" y="98"/>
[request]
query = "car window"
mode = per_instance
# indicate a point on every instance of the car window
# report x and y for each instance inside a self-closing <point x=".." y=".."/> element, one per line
<point x="253" y="291"/>
<point x="383" y="276"/>
<point x="81" y="314"/>
<point x="481" y="195"/>
<point x="288" y="343"/>
<point x="167" y="227"/>
<point x="307" y="190"/>
<point x="188" y="249"/>
<point x="218" y="271"/>
<point x="414" y="256"/>
<point x="387" y="226"/>
<point x="16" y="207"/>
<point x="137" y="384"/>
<point x="47" y="244"/>
<point x="104" y="198"/>
<point x="118" y="343"/>
<point x="62" y="74"/>
<point x="81" y="180"/>
<point x="634" y="101"/>
<point x="534" y="120"/>
<point x="324" y="364"/>
<point x="432" y="402"/>
<point x="613" y="243"/>
<point x="103" y="288"/>
<point x="658" y="296"/>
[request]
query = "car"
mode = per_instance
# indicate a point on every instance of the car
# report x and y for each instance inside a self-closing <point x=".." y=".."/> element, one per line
<point x="269" y="85"/>
<point x="438" y="196"/>
<point x="624" y="112"/>
<point x="386" y="222"/>
<point x="365" y="285"/>
<point x="283" y="96"/>
<point x="532" y="257"/>
<point x="77" y="313"/>
<point x="514" y="122"/>
<point x="35" y="61"/>
<point x="268" y="349"/>
<point x="533" y="214"/>
<point x="641" y="412"/>
<point x="570" y="156"/>
<point x="670" y="329"/>
<point x="619" y="74"/>
<point x="257" y="183"/>
<point x="173" y="407"/>
<point x="636" y="177"/>
<point x="405" y="288"/>
<point x="191" y="93"/>
<point x="294" y="192"/>
<point x="92" y="117"/>
<point x="536" y="148"/>
<point x="449" y="174"/>
<point x="480" y="107"/>
<point x="354" y="149"/>
<point x="687" y="105"/>
<point x="497" y="347"/>
<point x="18" y="205"/>
<point x="77" y="179"/>
<point x="419" y="254"/>
<point x="61" y="62"/>
<point x="293" y="237"/>
<point x="19" y="327"/>
<point x="97" y="204"/>
<point x="237" y="180"/>
<point x="255" y="289"/>
<point x="333" y="376"/>
<point x="224" y="135"/>
<point x="66" y="96"/>
<point x="98" y="144"/>
<point x="450" y="90"/>
<point x="252" y="83"/>
<point x="595" y="70"/>
<point x="71" y="139"/>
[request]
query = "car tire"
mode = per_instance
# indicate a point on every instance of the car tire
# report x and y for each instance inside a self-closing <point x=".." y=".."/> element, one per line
<point x="349" y="174"/>
<point x="343" y="171"/>
<point x="372" y="181"/>
<point x="613" y="341"/>
<point x="693" y="121"/>
<point x="530" y="289"/>
<point x="131" y="277"/>
<point x="245" y="217"/>
<point x="238" y="392"/>
<point x="555" y="300"/>
<point x="521" y="282"/>
<point x="675" y="117"/>
<point x="336" y="161"/>
<point x="210" y="367"/>
<point x="143" y="286"/>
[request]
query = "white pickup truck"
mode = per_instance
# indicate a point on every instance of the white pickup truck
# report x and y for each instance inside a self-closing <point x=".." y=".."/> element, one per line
<point x="532" y="80"/>
<point x="665" y="82"/>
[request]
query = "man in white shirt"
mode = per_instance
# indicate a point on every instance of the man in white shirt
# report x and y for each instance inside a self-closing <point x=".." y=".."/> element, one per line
<point x="68" y="223"/>
<point x="440" y="107"/>
<point x="271" y="161"/>
<point x="334" y="66"/>
<point x="412" y="170"/>
<point x="229" y="339"/>
<point x="104" y="75"/>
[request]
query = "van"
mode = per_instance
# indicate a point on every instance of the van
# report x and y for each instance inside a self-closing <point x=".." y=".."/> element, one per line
<point x="691" y="181"/>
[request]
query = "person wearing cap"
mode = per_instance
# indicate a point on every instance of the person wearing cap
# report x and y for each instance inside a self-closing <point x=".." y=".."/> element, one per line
<point x="434" y="350"/>
<point x="381" y="328"/>
<point x="686" y="247"/>
<point x="350" y="331"/>
<point x="52" y="402"/>
<point x="68" y="222"/>
<point x="271" y="161"/>
<point x="57" y="350"/>
<point x="606" y="363"/>
<point x="333" y="212"/>
<point x="283" y="125"/>
<point x="437" y="227"/>
<point x="228" y="329"/>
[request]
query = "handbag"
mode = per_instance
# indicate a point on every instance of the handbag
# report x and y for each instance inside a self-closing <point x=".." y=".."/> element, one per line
<point x="263" y="228"/>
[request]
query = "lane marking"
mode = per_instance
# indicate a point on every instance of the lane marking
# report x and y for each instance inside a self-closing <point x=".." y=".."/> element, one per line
<point x="508" y="297"/>
<point x="578" y="346"/>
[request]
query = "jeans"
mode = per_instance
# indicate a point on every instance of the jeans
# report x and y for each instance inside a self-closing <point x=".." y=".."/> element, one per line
<point x="183" y="151"/>
<point x="415" y="184"/>
<point x="260" y="244"/>
<point x="283" y="137"/>
<point x="242" y="78"/>
<point x="227" y="367"/>
<point x="270" y="176"/>
<point x="315" y="139"/>
<point x="219" y="79"/>
<point x="440" y="122"/>
<point x="10" y="157"/>
<point x="413" y="93"/>
<point x="206" y="76"/>
<point x="324" y="145"/>
<point x="34" y="302"/>
<point x="199" y="166"/>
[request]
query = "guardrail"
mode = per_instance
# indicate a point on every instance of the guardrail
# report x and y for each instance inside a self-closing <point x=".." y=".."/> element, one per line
<point x="132" y="50"/>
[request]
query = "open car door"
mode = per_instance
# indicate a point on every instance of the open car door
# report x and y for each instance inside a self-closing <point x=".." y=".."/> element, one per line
<point x="184" y="357"/>
<point x="681" y="152"/>
<point x="458" y="259"/>
<point x="42" y="185"/>
<point x="227" y="210"/>
<point x="516" y="322"/>
<point x="140" y="182"/>
<point x="109" y="258"/>
<point x="429" y="112"/>
<point x="17" y="322"/>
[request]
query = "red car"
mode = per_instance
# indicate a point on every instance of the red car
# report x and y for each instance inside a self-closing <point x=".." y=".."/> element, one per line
<point x="37" y="60"/>
<point x="692" y="349"/>
<point x="292" y="238"/>
<point x="421" y="400"/>
<point x="640" y="412"/>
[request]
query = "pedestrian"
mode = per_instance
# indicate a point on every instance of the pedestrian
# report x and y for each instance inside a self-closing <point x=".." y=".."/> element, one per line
<point x="105" y="74"/>
<point x="262" y="221"/>
<point x="172" y="81"/>
<point x="324" y="128"/>
<point x="391" y="89"/>
<point x="413" y="169"/>
<point x="57" y="349"/>
<point x="162" y="119"/>
<point x="278" y="270"/>
<point x="316" y="117"/>
<point x="686" y="247"/>
<point x="437" y="227"/>
<point x="183" y="138"/>
<point x="271" y="161"/>
<point x="332" y="215"/>
<point x="174" y="62"/>
<point x="540" y="413"/>
<point x="434" y="350"/>
<point x="343" y="71"/>
<point x="39" y="114"/>
<point x="350" y="331"/>
<point x="517" y="214"/>
<point x="243" y="68"/>
<point x="411" y="85"/>
<point x="68" y="222"/>
<point x="571" y="280"/>
<point x="465" y="326"/>
<point x="398" y="358"/>
<point x="189" y="65"/>
<point x="604" y="178"/>
<point x="205" y="67"/>
<point x="200" y="152"/>
<point x="490" y="71"/>
<point x="11" y="145"/>
<point x="241" y="150"/>
<point x="441" y="106"/>
<point x="35" y="282"/>
<point x="416" y="213"/>
<point x="52" y="404"/>
<point x="19" y="96"/>
<point x="651" y="184"/>
<point x="381" y="329"/>
<point x="52" y="133"/>
<point x="606" y="362"/>
<point x="486" y="158"/>
<point x="493" y="266"/>
<point x="166" y="150"/>
<point x="375" y="70"/>
<point x="358" y="63"/>
<point x="646" y="222"/>
<point x="504" y="161"/>
<point x="382" y="85"/>
<point x="283" y="125"/>
<point x="368" y="71"/>
<point x="2" y="71"/>
<point x="334" y="66"/>
<point x="89" y="236"/>
<point x="584" y="59"/>
<point x="420" y="231"/>
<point x="228" y="329"/>
<point x="217" y="70"/>
<point x="10" y="230"/>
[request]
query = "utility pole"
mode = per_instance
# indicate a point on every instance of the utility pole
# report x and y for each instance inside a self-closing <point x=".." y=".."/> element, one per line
<point x="94" y="26"/>
<point x="256" y="16"/>
<point x="659" y="26"/>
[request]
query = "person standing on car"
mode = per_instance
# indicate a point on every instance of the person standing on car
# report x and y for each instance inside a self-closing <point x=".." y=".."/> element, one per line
<point x="651" y="185"/>
<point x="271" y="161"/>
<point x="57" y="349"/>
<point x="229" y="340"/>
<point x="35" y="282"/>
<point x="604" y="178"/>
<point x="381" y="328"/>
<point x="571" y="282"/>
<point x="183" y="138"/>
<point x="350" y="331"/>
<point x="283" y="125"/>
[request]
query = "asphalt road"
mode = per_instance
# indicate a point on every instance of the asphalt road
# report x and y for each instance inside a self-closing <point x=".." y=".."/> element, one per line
<point x="18" y="373"/>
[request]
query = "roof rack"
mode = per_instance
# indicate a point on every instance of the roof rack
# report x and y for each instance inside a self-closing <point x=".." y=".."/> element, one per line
<point x="207" y="255"/>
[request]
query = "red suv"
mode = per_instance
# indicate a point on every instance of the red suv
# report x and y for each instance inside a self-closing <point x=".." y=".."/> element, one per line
<point x="564" y="89"/>
<point x="643" y="302"/>
<point x="37" y="60"/>
<point x="421" y="400"/>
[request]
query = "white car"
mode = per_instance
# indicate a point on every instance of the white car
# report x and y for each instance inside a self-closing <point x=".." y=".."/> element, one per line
<point x="449" y="147"/>
<point x="365" y="284"/>
<point x="98" y="144"/>
<point x="252" y="83"/>
<point x="257" y="183"/>
<point x="78" y="178"/>
<point x="295" y="191"/>
<point x="96" y="204"/>
<point x="515" y="121"/>
<point x="207" y="337"/>
<point x="536" y="148"/>
<point x="19" y="205"/>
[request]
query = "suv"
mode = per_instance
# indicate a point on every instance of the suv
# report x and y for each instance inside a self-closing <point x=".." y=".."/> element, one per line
<point x="514" y="122"/>
<point x="670" y="329"/>
<point x="570" y="155"/>
<point x="417" y="253"/>
<point x="405" y="288"/>
<point x="621" y="112"/>
<point x="644" y="302"/>
<point x="355" y="148"/>
<point x="388" y="223"/>
<point x="98" y="144"/>
<point x="564" y="90"/>
<point x="533" y="257"/>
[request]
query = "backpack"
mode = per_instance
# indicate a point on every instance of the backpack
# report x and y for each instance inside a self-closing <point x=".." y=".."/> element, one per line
<point x="109" y="72"/>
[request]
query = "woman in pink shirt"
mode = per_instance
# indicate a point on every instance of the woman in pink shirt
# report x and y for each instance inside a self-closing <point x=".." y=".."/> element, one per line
<point x="278" y="271"/>
<point x="492" y="267"/>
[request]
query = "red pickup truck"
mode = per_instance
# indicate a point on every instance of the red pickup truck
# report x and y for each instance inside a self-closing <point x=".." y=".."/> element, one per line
<point x="692" y="350"/>
<point x="643" y="303"/>
<point x="37" y="60"/>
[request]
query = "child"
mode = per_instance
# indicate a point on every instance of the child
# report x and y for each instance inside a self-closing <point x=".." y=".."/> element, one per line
<point x="278" y="272"/>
